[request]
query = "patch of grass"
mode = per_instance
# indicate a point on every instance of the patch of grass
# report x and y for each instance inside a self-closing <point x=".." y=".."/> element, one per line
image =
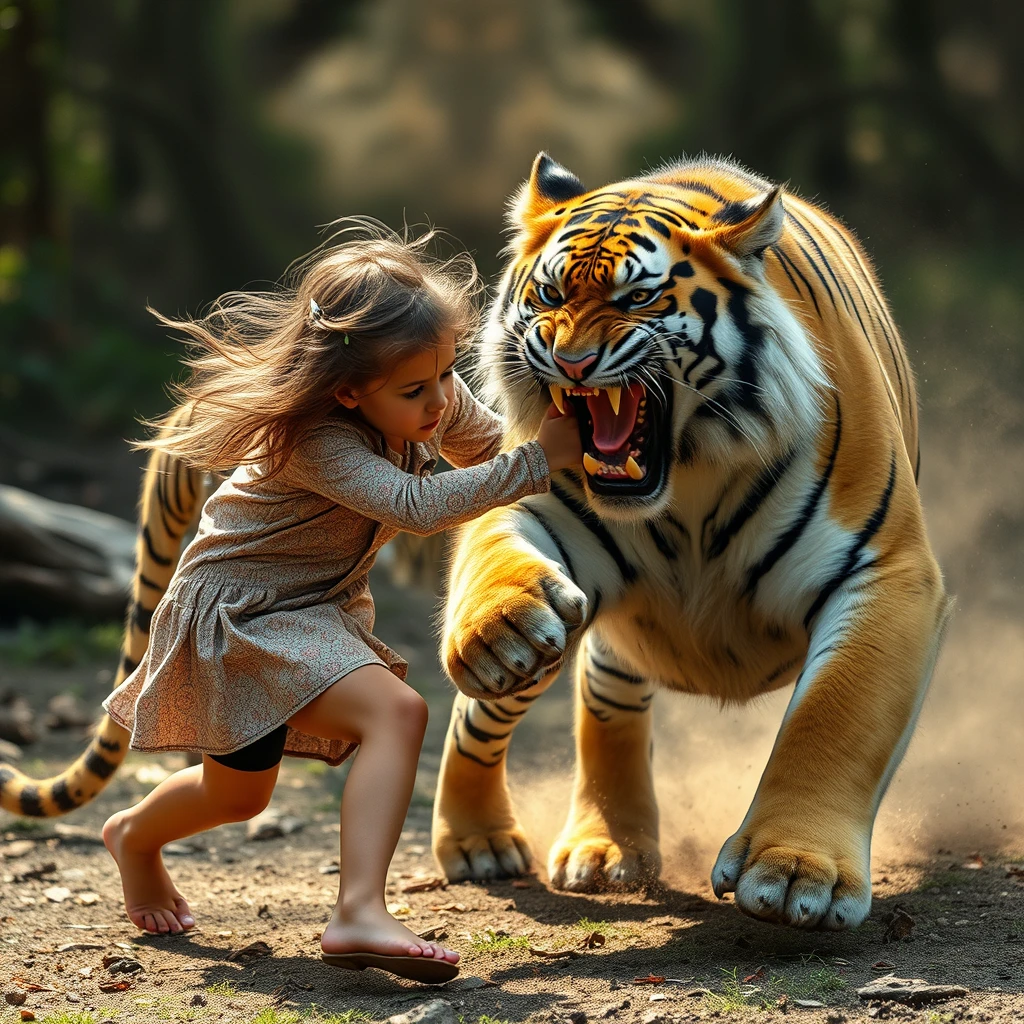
<point x="824" y="981"/>
<point x="733" y="997"/>
<point x="61" y="643"/>
<point x="938" y="1017"/>
<point x="77" y="1017"/>
<point x="487" y="1019"/>
<point x="27" y="826"/>
<point x="312" y="1015"/>
<point x="585" y="925"/>
<point x="222" y="988"/>
<point x="489" y="941"/>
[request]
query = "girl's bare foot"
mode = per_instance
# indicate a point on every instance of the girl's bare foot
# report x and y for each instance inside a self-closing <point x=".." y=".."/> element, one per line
<point x="152" y="902"/>
<point x="376" y="931"/>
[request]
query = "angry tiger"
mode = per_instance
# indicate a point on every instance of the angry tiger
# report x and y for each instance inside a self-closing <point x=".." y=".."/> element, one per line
<point x="747" y="516"/>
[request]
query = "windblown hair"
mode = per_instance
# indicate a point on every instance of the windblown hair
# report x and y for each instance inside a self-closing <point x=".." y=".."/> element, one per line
<point x="266" y="365"/>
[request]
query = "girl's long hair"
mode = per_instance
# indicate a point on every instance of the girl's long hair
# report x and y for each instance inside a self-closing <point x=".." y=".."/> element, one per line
<point x="266" y="365"/>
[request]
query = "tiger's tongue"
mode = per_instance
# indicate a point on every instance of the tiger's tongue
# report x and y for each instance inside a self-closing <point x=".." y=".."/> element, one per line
<point x="612" y="431"/>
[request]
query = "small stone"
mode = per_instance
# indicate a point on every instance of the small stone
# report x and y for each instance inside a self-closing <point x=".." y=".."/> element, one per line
<point x="436" y="1011"/>
<point x="911" y="991"/>
<point x="577" y="1017"/>
<point x="654" y="1017"/>
<point x="178" y="850"/>
<point x="328" y="869"/>
<point x="57" y="893"/>
<point x="15" y="997"/>
<point x="19" y="848"/>
<point x="73" y="997"/>
<point x="198" y="999"/>
<point x="88" y="898"/>
<point x="27" y="1015"/>
<point x="808" y="1004"/>
<point x="272" y="824"/>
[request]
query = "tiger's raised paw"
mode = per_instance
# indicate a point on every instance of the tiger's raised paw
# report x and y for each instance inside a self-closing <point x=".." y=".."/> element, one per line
<point x="501" y="636"/>
<point x="792" y="886"/>
<point x="599" y="864"/>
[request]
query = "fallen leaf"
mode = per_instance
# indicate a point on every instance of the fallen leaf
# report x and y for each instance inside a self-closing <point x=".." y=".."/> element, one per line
<point x="426" y="885"/>
<point x="121" y="985"/>
<point x="883" y="965"/>
<point x="455" y="908"/>
<point x="399" y="910"/>
<point x="30" y="986"/>
<point x="898" y="926"/>
<point x="79" y="945"/>
<point x="434" y="934"/>
<point x="973" y="862"/>
<point x="756" y="976"/>
<point x="651" y="979"/>
<point x="552" y="954"/>
<point x="595" y="940"/>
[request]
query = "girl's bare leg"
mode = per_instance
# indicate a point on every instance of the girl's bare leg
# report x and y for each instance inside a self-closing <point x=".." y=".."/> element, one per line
<point x="387" y="719"/>
<point x="187" y="802"/>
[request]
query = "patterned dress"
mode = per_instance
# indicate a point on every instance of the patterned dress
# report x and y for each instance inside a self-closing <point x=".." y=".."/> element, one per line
<point x="270" y="603"/>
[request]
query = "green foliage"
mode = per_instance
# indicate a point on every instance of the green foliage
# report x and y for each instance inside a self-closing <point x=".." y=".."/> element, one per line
<point x="490" y="941"/>
<point x="61" y="643"/>
<point x="222" y="988"/>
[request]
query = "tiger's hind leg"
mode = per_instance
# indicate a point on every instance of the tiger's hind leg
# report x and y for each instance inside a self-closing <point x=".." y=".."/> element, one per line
<point x="610" y="839"/>
<point x="475" y="833"/>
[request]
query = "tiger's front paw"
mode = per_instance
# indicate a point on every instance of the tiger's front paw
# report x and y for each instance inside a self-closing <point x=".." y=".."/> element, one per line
<point x="599" y="864"/>
<point x="789" y="882"/>
<point x="509" y="626"/>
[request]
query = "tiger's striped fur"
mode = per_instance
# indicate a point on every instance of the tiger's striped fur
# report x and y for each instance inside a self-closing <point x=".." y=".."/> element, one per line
<point x="172" y="495"/>
<point x="748" y="516"/>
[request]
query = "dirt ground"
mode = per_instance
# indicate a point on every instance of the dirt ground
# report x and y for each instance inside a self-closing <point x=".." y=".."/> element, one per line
<point x="948" y="854"/>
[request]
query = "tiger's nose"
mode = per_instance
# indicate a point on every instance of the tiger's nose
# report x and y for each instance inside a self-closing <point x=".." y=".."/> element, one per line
<point x="574" y="368"/>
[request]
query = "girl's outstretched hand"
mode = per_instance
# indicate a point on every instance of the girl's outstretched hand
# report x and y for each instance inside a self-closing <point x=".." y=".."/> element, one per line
<point x="560" y="438"/>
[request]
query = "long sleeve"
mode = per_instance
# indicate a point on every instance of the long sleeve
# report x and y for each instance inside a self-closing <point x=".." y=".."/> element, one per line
<point x="474" y="432"/>
<point x="336" y="463"/>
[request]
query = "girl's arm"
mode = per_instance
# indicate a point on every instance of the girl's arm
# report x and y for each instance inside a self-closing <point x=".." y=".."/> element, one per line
<point x="336" y="463"/>
<point x="474" y="432"/>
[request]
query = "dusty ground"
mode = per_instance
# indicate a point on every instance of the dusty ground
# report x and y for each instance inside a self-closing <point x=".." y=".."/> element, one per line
<point x="957" y="795"/>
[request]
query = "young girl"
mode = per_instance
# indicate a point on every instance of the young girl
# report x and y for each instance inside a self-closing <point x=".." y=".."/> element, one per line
<point x="334" y="398"/>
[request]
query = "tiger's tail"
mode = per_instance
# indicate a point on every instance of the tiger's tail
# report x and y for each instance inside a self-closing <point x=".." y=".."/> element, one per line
<point x="172" y="494"/>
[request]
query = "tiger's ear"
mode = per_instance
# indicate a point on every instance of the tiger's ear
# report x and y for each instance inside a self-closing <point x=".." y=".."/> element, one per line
<point x="749" y="227"/>
<point x="550" y="184"/>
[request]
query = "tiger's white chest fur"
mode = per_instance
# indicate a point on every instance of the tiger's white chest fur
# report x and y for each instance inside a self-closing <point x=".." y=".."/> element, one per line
<point x="715" y="611"/>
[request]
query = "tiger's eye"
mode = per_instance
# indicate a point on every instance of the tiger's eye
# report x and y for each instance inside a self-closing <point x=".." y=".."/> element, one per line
<point x="549" y="295"/>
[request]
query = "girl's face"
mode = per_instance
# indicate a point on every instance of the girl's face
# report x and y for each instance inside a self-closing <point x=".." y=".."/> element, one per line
<point x="408" y="405"/>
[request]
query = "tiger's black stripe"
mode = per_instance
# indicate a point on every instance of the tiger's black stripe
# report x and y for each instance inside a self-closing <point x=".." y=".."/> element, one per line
<point x="555" y="539"/>
<point x="792" y="535"/>
<point x="617" y="673"/>
<point x="850" y="567"/>
<point x="599" y="530"/>
<point x="763" y="486"/>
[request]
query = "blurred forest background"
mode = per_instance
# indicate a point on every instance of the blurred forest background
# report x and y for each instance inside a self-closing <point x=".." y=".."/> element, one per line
<point x="165" y="152"/>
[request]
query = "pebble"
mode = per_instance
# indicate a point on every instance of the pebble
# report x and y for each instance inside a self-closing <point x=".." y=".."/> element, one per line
<point x="15" y="997"/>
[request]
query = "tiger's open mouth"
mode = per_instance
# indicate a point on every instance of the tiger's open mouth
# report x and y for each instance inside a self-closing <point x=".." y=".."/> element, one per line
<point x="621" y="430"/>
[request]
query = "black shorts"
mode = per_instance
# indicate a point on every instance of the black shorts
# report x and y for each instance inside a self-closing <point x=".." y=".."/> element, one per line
<point x="259" y="755"/>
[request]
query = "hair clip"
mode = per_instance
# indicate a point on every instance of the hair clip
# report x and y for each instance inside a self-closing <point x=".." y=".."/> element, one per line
<point x="319" y="318"/>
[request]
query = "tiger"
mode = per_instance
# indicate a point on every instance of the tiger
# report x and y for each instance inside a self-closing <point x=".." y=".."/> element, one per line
<point x="172" y="493"/>
<point x="746" y="517"/>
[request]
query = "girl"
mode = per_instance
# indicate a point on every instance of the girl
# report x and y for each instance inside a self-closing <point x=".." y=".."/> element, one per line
<point x="334" y="397"/>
